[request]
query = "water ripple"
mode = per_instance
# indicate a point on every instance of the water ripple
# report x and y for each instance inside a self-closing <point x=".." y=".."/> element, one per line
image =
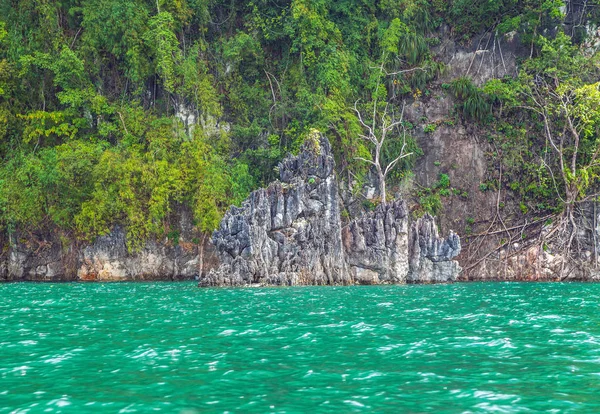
<point x="138" y="347"/>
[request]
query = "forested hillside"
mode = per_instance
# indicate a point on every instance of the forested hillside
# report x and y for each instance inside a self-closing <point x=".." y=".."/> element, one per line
<point x="117" y="111"/>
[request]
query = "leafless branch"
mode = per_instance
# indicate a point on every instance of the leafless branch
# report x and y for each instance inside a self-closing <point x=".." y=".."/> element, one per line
<point x="365" y="160"/>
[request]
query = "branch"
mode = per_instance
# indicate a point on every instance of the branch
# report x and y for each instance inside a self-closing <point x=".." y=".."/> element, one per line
<point x="123" y="122"/>
<point x="360" y="119"/>
<point x="393" y="163"/>
<point x="366" y="160"/>
<point x="271" y="85"/>
<point x="553" y="180"/>
<point x="575" y="135"/>
<point x="513" y="228"/>
<point x="424" y="69"/>
<point x="588" y="198"/>
<point x="75" y="38"/>
<point x="369" y="138"/>
<point x="400" y="121"/>
<point x="377" y="91"/>
<point x="384" y="119"/>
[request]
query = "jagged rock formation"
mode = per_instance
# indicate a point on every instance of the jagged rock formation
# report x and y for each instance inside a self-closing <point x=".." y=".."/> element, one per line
<point x="431" y="255"/>
<point x="288" y="233"/>
<point x="376" y="245"/>
<point x="291" y="233"/>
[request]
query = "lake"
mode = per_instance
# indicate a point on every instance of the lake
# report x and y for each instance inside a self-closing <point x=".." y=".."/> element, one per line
<point x="138" y="347"/>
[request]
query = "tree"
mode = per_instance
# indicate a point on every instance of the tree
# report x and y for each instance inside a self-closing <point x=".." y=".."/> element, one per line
<point x="560" y="90"/>
<point x="382" y="125"/>
<point x="163" y="42"/>
<point x="211" y="185"/>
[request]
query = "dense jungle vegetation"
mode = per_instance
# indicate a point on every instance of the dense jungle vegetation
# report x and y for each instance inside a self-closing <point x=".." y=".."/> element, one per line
<point x="118" y="111"/>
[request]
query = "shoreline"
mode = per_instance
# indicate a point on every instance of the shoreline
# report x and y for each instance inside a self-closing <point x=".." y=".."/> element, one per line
<point x="258" y="286"/>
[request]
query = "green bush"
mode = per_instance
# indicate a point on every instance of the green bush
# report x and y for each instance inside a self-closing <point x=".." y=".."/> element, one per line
<point x="429" y="128"/>
<point x="431" y="203"/>
<point x="475" y="104"/>
<point x="443" y="182"/>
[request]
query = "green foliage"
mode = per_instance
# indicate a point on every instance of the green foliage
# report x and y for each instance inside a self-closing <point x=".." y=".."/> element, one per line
<point x="164" y="45"/>
<point x="429" y="128"/>
<point x="550" y="156"/>
<point x="430" y="197"/>
<point x="174" y="236"/>
<point x="475" y="104"/>
<point x="443" y="182"/>
<point x="48" y="186"/>
<point x="120" y="111"/>
<point x="370" y="205"/>
<point x="430" y="203"/>
<point x="523" y="207"/>
<point x="470" y="17"/>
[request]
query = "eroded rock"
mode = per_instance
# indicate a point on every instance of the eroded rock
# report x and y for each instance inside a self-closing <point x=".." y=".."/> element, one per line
<point x="288" y="233"/>
<point x="46" y="256"/>
<point x="291" y="233"/>
<point x="430" y="255"/>
<point x="377" y="244"/>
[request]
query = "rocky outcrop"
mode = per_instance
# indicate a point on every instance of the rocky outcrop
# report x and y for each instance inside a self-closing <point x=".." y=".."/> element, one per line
<point x="108" y="259"/>
<point x="291" y="233"/>
<point x="34" y="257"/>
<point x="50" y="256"/>
<point x="376" y="245"/>
<point x="431" y="256"/>
<point x="288" y="233"/>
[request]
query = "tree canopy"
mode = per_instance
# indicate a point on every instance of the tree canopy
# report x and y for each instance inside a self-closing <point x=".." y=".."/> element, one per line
<point x="118" y="111"/>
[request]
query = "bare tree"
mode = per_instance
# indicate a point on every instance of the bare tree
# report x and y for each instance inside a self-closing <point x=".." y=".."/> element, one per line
<point x="569" y="117"/>
<point x="560" y="91"/>
<point x="380" y="128"/>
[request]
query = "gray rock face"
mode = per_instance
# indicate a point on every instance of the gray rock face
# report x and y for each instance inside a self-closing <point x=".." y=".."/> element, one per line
<point x="288" y="233"/>
<point x="376" y="245"/>
<point x="45" y="256"/>
<point x="430" y="255"/>
<point x="39" y="259"/>
<point x="291" y="233"/>
<point x="487" y="56"/>
<point x="108" y="259"/>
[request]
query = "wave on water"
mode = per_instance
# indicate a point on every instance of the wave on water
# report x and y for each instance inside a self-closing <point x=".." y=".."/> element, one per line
<point x="170" y="346"/>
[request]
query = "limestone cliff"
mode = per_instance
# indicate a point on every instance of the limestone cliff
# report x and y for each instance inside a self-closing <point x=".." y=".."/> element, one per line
<point x="288" y="233"/>
<point x="49" y="256"/>
<point x="291" y="233"/>
<point x="463" y="151"/>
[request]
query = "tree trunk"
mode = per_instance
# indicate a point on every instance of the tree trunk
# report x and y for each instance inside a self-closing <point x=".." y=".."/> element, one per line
<point x="201" y="255"/>
<point x="382" y="191"/>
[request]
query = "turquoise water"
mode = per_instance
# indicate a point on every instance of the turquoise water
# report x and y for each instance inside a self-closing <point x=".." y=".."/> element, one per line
<point x="137" y="347"/>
